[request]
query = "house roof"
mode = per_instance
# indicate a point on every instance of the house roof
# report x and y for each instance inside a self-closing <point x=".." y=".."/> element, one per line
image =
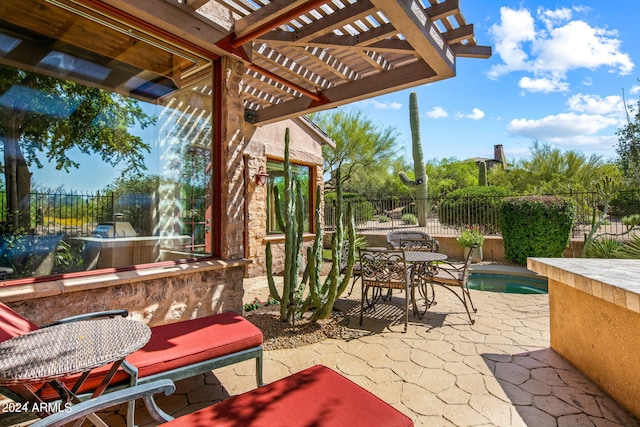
<point x="309" y="55"/>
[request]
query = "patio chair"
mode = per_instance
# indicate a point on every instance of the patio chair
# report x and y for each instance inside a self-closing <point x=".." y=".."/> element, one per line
<point x="177" y="350"/>
<point x="412" y="238"/>
<point x="455" y="278"/>
<point x="317" y="396"/>
<point x="384" y="269"/>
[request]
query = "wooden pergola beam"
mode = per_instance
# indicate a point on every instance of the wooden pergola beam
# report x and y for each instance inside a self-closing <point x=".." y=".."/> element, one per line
<point x="408" y="76"/>
<point x="421" y="33"/>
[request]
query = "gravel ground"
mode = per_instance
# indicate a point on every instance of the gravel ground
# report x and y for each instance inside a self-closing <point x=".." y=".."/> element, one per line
<point x="279" y="335"/>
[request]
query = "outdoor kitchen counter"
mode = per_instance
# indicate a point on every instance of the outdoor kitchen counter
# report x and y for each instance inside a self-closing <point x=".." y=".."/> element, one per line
<point x="594" y="311"/>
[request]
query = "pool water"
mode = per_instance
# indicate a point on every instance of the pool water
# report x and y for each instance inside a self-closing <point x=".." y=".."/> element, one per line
<point x="507" y="283"/>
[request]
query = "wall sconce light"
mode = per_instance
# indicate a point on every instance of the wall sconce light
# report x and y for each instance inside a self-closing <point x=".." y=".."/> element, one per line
<point x="261" y="176"/>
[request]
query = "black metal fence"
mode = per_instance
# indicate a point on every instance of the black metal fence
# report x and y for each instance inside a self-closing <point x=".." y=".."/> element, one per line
<point x="78" y="215"/>
<point x="446" y="216"/>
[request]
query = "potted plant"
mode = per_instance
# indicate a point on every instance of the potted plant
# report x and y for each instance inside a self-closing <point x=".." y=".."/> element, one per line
<point x="470" y="236"/>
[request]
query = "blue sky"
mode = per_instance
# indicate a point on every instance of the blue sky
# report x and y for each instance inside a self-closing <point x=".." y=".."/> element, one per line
<point x="556" y="76"/>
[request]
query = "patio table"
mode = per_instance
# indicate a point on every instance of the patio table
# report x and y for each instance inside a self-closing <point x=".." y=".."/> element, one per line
<point x="422" y="266"/>
<point x="49" y="354"/>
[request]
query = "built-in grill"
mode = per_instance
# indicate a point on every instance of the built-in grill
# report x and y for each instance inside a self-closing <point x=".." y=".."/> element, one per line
<point x="114" y="229"/>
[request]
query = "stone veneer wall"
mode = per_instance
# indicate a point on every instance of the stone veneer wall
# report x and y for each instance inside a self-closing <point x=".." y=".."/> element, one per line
<point x="156" y="296"/>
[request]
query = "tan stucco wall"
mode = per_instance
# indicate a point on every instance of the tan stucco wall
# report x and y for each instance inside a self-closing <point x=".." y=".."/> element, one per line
<point x="600" y="338"/>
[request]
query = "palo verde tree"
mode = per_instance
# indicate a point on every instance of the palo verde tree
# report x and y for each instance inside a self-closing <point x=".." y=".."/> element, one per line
<point x="361" y="144"/>
<point x="45" y="117"/>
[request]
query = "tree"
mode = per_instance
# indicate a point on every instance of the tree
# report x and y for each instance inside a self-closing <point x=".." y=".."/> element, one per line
<point x="44" y="116"/>
<point x="360" y="144"/>
<point x="629" y="145"/>
<point x="552" y="171"/>
<point x="449" y="174"/>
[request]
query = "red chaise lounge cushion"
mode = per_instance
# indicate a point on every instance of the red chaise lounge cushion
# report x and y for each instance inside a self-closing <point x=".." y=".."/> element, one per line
<point x="316" y="397"/>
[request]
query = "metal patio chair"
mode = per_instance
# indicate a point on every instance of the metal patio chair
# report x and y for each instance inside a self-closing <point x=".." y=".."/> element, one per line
<point x="383" y="269"/>
<point x="455" y="278"/>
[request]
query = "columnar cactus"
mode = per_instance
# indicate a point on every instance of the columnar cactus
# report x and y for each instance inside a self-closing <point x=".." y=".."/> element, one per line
<point x="420" y="181"/>
<point x="292" y="222"/>
<point x="482" y="174"/>
<point x="322" y="296"/>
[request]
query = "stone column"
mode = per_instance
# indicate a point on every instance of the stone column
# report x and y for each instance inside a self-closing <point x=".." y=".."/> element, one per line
<point x="232" y="187"/>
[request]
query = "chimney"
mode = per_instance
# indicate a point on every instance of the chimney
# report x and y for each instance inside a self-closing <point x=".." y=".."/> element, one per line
<point x="498" y="155"/>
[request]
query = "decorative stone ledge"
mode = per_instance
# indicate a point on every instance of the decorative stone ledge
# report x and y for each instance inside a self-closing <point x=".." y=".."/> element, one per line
<point x="615" y="281"/>
<point x="105" y="280"/>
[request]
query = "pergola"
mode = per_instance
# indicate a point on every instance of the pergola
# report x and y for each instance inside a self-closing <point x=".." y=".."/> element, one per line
<point x="303" y="56"/>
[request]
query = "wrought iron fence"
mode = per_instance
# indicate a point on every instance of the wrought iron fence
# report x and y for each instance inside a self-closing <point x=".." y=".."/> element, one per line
<point x="78" y="214"/>
<point x="446" y="216"/>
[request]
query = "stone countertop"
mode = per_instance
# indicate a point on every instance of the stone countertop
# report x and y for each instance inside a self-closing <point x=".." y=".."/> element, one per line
<point x="614" y="280"/>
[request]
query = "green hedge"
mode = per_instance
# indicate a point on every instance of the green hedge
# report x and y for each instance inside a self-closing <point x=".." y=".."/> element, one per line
<point x="473" y="206"/>
<point x="536" y="226"/>
<point x="625" y="203"/>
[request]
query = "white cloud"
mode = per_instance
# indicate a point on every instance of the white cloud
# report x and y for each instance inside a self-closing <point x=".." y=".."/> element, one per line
<point x="612" y="106"/>
<point x="476" y="114"/>
<point x="635" y="89"/>
<point x="544" y="85"/>
<point x="561" y="126"/>
<point x="553" y="47"/>
<point x="437" y="113"/>
<point x="385" y="105"/>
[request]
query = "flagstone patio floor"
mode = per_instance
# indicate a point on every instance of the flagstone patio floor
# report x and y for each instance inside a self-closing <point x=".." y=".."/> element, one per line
<point x="441" y="372"/>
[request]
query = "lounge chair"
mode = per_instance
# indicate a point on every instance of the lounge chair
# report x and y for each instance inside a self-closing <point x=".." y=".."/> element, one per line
<point x="412" y="240"/>
<point x="317" y="396"/>
<point x="175" y="351"/>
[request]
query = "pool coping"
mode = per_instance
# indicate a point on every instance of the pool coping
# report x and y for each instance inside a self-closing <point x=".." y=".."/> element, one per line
<point x="513" y="270"/>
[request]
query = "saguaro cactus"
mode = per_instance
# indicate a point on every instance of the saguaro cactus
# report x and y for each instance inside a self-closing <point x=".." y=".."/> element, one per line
<point x="419" y="183"/>
<point x="482" y="173"/>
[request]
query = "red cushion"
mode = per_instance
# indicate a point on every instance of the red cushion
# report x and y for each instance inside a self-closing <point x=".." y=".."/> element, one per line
<point x="316" y="397"/>
<point x="12" y="324"/>
<point x="180" y="344"/>
<point x="184" y="343"/>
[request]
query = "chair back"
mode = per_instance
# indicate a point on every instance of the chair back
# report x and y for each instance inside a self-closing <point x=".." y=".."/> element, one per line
<point x="395" y="238"/>
<point x="423" y="245"/>
<point x="465" y="271"/>
<point x="384" y="268"/>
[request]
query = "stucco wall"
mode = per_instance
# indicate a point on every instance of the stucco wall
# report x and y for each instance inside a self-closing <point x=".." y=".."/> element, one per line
<point x="600" y="338"/>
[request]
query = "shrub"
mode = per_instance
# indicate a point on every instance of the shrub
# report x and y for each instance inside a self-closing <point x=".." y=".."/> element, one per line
<point x="536" y="226"/>
<point x="409" y="219"/>
<point x="625" y="203"/>
<point x="631" y="248"/>
<point x="606" y="247"/>
<point x="383" y="218"/>
<point x="470" y="236"/>
<point x="473" y="205"/>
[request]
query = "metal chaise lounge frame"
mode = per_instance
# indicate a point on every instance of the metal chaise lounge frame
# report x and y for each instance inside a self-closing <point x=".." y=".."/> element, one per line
<point x="220" y="348"/>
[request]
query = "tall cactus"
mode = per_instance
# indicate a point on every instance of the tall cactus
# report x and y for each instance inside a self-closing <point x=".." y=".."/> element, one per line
<point x="322" y="296"/>
<point x="292" y="222"/>
<point x="482" y="174"/>
<point x="420" y="181"/>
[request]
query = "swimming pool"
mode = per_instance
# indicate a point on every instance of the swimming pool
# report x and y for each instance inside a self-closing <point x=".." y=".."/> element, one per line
<point x="507" y="283"/>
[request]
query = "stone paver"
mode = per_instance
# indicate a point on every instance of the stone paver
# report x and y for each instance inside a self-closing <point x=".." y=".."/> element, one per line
<point x="443" y="371"/>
